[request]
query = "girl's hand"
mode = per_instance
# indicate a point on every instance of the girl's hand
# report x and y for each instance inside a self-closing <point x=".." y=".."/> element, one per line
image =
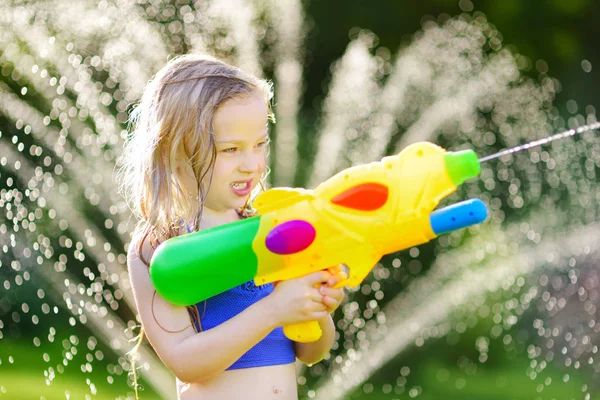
<point x="298" y="300"/>
<point x="332" y="298"/>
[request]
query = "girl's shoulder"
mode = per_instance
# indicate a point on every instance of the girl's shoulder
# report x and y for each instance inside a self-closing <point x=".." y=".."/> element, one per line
<point x="138" y="259"/>
<point x="139" y="253"/>
<point x="136" y="252"/>
<point x="142" y="246"/>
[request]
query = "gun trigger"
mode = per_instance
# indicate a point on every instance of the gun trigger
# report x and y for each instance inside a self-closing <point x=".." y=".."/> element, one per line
<point x="346" y="269"/>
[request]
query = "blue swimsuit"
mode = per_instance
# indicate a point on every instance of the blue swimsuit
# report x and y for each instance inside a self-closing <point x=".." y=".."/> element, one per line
<point x="274" y="349"/>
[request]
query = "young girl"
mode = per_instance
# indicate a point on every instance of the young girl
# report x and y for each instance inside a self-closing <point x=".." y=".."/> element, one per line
<point x="197" y="154"/>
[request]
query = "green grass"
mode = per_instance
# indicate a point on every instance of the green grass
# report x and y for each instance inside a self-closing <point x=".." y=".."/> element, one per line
<point x="26" y="376"/>
<point x="505" y="379"/>
<point x="434" y="380"/>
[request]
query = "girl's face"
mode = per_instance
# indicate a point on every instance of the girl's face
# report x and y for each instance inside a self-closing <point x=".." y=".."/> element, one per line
<point x="240" y="132"/>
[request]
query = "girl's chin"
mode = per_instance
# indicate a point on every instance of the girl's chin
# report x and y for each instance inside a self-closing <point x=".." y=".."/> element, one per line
<point x="228" y="206"/>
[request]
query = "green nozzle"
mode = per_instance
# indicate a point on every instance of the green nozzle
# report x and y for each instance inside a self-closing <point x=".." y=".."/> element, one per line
<point x="461" y="165"/>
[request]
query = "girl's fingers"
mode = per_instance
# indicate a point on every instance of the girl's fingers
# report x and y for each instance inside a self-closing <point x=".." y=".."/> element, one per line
<point x="331" y="292"/>
<point x="320" y="315"/>
<point x="335" y="269"/>
<point x="331" y="304"/>
<point x="338" y="277"/>
<point x="337" y="297"/>
<point x="318" y="306"/>
<point x="316" y="295"/>
<point x="317" y="277"/>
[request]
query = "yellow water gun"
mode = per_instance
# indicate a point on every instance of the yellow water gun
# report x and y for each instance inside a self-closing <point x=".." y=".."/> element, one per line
<point x="354" y="218"/>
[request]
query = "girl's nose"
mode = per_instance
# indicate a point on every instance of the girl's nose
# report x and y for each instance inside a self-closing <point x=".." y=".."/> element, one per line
<point x="250" y="163"/>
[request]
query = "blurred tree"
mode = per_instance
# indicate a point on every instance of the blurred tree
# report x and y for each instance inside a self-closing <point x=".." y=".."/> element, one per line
<point x="560" y="34"/>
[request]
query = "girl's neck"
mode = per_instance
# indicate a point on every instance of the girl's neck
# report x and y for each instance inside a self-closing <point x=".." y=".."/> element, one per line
<point x="212" y="218"/>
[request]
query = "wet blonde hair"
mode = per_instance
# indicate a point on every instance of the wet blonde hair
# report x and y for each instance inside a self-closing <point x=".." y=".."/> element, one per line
<point x="174" y="119"/>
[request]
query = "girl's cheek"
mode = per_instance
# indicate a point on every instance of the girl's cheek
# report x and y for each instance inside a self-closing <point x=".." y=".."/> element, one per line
<point x="225" y="168"/>
<point x="262" y="164"/>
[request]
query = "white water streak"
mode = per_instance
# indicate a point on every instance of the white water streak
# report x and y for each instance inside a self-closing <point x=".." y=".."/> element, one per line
<point x="126" y="38"/>
<point x="493" y="79"/>
<point x="62" y="111"/>
<point x="393" y="99"/>
<point x="240" y="18"/>
<point x="52" y="55"/>
<point x="84" y="169"/>
<point x="123" y="39"/>
<point x="78" y="131"/>
<point x="101" y="321"/>
<point x="65" y="206"/>
<point x="350" y="100"/>
<point x="287" y="18"/>
<point x="402" y="328"/>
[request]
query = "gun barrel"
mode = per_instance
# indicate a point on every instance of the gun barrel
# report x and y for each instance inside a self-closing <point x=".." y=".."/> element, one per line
<point x="458" y="216"/>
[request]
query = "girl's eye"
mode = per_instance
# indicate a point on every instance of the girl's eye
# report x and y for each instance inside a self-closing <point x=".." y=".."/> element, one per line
<point x="230" y="150"/>
<point x="262" y="144"/>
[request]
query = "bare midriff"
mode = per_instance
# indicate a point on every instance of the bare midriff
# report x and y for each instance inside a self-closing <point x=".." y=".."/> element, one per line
<point x="276" y="382"/>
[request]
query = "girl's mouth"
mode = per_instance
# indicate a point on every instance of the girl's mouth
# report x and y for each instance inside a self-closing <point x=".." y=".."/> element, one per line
<point x="241" y="188"/>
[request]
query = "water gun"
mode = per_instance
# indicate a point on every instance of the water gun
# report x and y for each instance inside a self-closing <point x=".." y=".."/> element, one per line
<point x="354" y="218"/>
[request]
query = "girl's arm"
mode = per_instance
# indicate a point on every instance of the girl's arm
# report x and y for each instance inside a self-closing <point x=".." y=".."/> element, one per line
<point x="312" y="353"/>
<point x="191" y="356"/>
<point x="198" y="357"/>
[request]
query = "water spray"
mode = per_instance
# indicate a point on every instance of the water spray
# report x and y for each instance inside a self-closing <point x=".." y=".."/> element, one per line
<point x="548" y="139"/>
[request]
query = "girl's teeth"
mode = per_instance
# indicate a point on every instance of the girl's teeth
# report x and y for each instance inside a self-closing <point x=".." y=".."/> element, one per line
<point x="239" y="185"/>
